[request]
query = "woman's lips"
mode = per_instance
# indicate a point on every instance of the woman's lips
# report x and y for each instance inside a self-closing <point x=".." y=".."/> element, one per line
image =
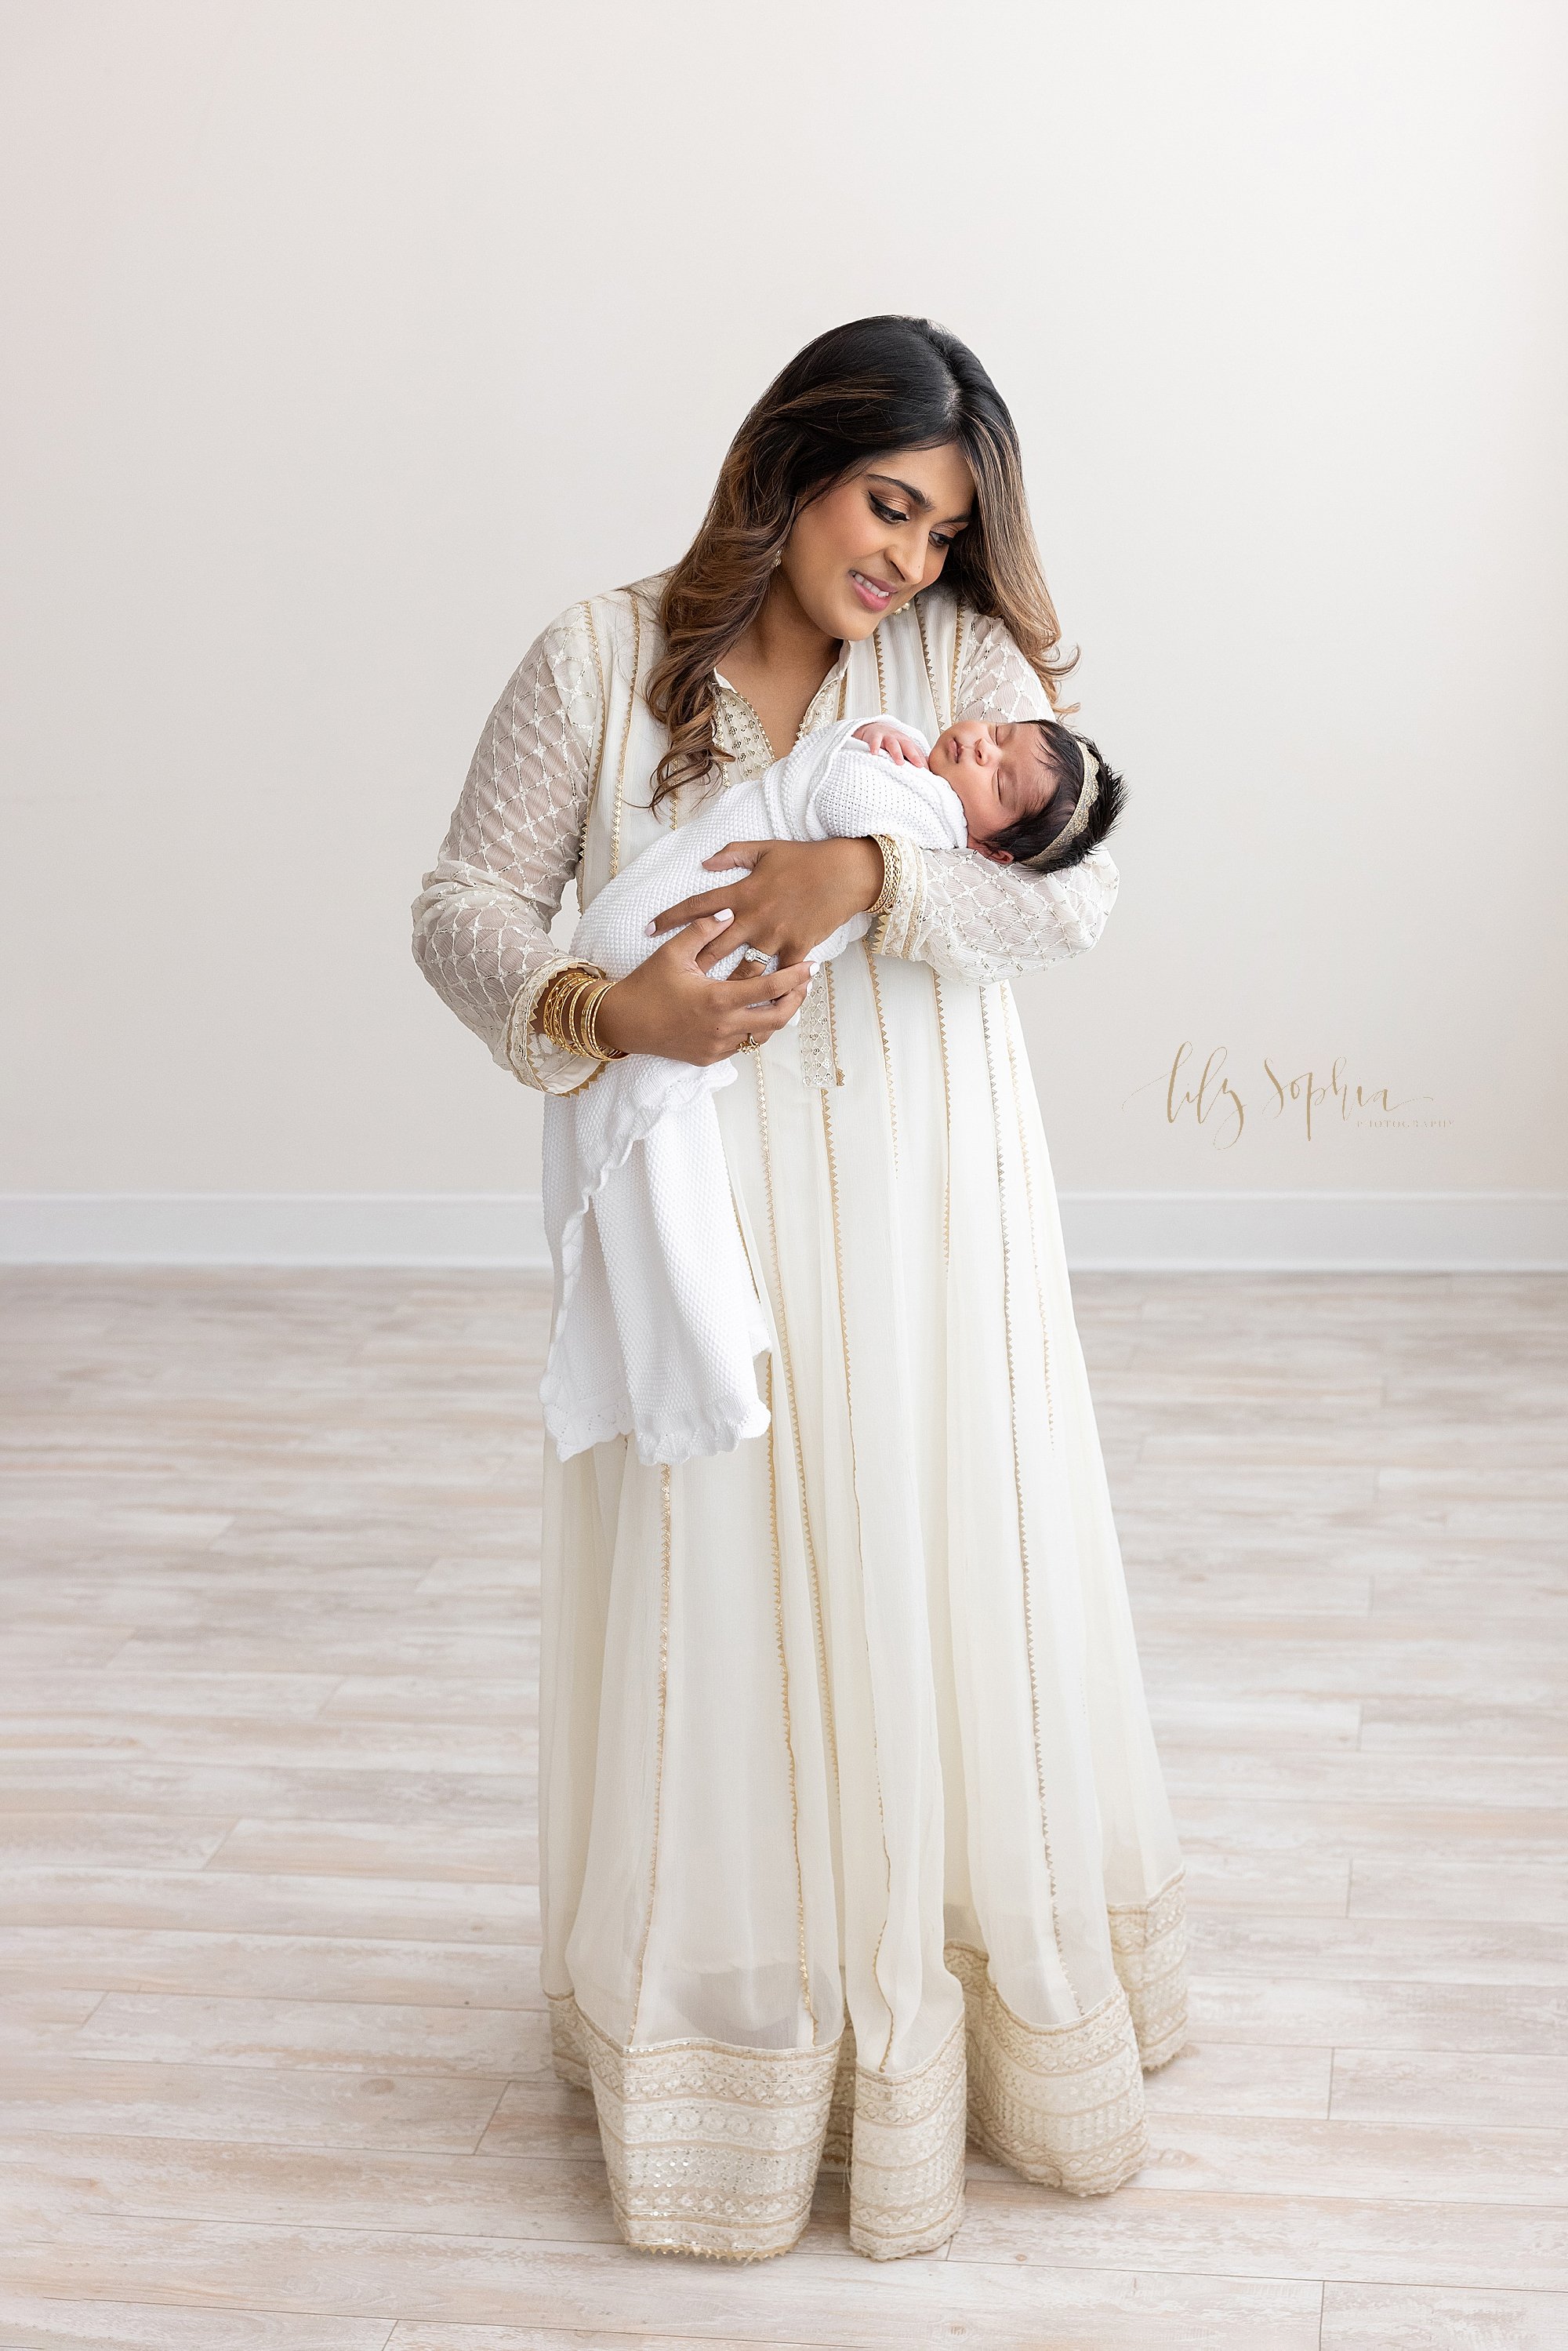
<point x="876" y="595"/>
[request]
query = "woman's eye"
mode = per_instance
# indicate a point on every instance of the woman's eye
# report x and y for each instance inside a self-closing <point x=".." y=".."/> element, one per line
<point x="942" y="539"/>
<point x="886" y="514"/>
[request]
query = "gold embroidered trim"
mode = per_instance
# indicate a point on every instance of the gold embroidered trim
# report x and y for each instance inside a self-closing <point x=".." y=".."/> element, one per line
<point x="1032" y="1199"/>
<point x="946" y="1115"/>
<point x="895" y="932"/>
<point x="881" y="673"/>
<point x="930" y="670"/>
<point x="626" y="735"/>
<point x="893" y="888"/>
<point x="784" y="1696"/>
<point x="1148" y="1945"/>
<point x="1062" y="2103"/>
<point x="569" y="2053"/>
<point x="953" y="687"/>
<point x="906" y="2173"/>
<point x="816" y="1046"/>
<point x="762" y="753"/>
<point x="859" y="1551"/>
<point x="709" y="2148"/>
<point x="1024" y="1565"/>
<point x="665" y="1550"/>
<point x="826" y="974"/>
<point x="825" y="1681"/>
<point x="713" y="2149"/>
<point x="602" y="721"/>
<point x="886" y="1047"/>
<point x="839" y="2138"/>
<point x="881" y="905"/>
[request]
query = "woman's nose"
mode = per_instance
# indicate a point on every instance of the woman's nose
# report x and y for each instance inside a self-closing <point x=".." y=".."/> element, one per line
<point x="909" y="555"/>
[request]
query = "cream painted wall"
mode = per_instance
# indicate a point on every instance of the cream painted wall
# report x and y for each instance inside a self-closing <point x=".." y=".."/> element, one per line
<point x="348" y="342"/>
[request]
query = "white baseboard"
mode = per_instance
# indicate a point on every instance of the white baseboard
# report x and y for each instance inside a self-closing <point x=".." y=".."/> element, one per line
<point x="1106" y="1231"/>
<point x="1325" y="1232"/>
<point x="474" y="1228"/>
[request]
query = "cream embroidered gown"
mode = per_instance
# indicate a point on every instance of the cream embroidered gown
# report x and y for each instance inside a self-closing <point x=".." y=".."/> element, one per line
<point x="853" y="1836"/>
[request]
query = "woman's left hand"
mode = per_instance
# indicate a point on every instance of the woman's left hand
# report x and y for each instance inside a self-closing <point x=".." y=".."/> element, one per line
<point x="796" y="894"/>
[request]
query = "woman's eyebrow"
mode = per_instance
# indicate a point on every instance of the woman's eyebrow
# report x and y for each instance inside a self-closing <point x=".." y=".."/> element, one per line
<point x="919" y="498"/>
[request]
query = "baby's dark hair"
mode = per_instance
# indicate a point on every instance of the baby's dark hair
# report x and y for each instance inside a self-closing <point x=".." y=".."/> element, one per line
<point x="1030" y="840"/>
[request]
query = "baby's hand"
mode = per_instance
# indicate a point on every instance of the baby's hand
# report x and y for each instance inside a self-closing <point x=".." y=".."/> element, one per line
<point x="881" y="734"/>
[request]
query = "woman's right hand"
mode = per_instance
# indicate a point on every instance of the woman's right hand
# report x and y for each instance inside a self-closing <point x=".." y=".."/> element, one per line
<point x="670" y="1006"/>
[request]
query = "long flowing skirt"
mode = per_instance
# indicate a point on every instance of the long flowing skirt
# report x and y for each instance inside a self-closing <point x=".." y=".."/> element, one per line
<point x="854" y="1839"/>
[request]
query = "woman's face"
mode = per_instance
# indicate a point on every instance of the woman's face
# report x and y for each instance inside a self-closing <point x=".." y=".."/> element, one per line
<point x="862" y="550"/>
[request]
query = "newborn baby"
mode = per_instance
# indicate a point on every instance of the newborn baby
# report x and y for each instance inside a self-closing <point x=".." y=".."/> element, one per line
<point x="1019" y="783"/>
<point x="657" y="1323"/>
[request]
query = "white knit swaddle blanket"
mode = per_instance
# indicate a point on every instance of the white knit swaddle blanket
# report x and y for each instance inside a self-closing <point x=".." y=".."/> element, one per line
<point x="657" y="1323"/>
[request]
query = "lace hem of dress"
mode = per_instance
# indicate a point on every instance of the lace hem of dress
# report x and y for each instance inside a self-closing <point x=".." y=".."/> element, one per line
<point x="715" y="2149"/>
<point x="709" y="2148"/>
<point x="1148" y="1947"/>
<point x="1064" y="2103"/>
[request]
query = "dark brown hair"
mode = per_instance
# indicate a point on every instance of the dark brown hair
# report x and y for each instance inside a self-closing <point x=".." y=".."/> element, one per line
<point x="1033" y="839"/>
<point x="855" y="393"/>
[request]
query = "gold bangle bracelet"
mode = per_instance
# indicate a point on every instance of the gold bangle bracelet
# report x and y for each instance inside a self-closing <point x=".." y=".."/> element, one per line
<point x="596" y="1045"/>
<point x="566" y="1013"/>
<point x="557" y="1017"/>
<point x="891" y="873"/>
<point x="547" y="1018"/>
<point x="544" y="1023"/>
<point x="577" y="1019"/>
<point x="576" y="1025"/>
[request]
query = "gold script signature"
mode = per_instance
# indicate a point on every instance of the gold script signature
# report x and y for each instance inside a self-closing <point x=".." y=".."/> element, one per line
<point x="1217" y="1104"/>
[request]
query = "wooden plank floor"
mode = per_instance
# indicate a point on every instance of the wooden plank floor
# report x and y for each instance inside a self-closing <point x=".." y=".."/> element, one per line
<point x="276" y="2066"/>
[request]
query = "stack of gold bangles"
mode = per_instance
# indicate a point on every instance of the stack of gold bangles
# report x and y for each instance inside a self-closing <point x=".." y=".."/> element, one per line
<point x="881" y="905"/>
<point x="568" y="1013"/>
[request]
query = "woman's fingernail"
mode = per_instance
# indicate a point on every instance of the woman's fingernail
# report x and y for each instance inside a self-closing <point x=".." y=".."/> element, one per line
<point x="648" y="930"/>
<point x="725" y="915"/>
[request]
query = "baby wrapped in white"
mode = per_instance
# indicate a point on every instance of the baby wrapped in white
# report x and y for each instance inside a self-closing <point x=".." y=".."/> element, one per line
<point x="657" y="1326"/>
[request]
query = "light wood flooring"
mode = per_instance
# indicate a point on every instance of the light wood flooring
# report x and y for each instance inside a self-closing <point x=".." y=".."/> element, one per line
<point x="275" y="2066"/>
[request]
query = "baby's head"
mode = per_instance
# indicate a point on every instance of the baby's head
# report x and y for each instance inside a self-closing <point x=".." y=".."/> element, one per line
<point x="1032" y="793"/>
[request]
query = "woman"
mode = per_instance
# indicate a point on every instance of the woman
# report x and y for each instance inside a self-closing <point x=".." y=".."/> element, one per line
<point x="852" y="1830"/>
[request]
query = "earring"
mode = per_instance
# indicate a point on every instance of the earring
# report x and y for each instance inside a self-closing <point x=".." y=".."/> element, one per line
<point x="779" y="559"/>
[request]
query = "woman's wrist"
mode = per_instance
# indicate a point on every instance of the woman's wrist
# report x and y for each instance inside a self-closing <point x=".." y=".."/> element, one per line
<point x="611" y="1016"/>
<point x="566" y="1013"/>
<point x="866" y="855"/>
<point x="548" y="1068"/>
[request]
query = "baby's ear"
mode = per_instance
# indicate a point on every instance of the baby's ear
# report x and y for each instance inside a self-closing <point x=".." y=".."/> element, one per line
<point x="996" y="856"/>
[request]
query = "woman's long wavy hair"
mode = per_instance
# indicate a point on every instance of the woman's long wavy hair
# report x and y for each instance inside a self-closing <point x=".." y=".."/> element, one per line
<point x="857" y="392"/>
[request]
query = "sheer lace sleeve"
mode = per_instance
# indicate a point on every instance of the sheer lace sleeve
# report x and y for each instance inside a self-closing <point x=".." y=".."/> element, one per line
<point x="482" y="919"/>
<point x="974" y="920"/>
